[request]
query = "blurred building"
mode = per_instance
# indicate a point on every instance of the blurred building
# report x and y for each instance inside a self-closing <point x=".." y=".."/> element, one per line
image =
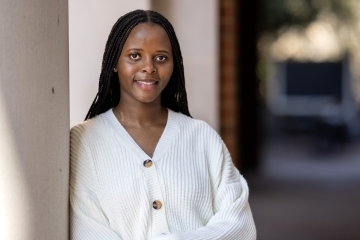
<point x="306" y="184"/>
<point x="307" y="70"/>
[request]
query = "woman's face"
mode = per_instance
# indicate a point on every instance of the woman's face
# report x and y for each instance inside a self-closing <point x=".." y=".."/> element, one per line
<point x="145" y="64"/>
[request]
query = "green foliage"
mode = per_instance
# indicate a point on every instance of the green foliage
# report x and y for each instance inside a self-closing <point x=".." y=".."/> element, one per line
<point x="282" y="13"/>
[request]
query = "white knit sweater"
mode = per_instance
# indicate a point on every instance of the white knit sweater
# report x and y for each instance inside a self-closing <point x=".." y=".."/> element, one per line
<point x="203" y="196"/>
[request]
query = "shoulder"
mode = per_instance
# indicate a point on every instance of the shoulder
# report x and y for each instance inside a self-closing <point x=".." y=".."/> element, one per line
<point x="89" y="129"/>
<point x="201" y="138"/>
<point x="199" y="128"/>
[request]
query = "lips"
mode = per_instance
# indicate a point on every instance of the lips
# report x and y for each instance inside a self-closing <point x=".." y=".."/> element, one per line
<point x="146" y="84"/>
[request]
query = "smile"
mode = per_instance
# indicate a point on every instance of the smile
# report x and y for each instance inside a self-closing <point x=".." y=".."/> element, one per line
<point x="147" y="82"/>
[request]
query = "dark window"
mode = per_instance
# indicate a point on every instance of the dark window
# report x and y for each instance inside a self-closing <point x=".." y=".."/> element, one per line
<point x="314" y="79"/>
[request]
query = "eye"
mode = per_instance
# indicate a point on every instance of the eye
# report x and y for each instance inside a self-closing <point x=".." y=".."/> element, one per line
<point x="134" y="56"/>
<point x="160" y="58"/>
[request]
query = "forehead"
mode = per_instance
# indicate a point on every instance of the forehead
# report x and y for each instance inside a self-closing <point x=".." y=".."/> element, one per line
<point x="148" y="34"/>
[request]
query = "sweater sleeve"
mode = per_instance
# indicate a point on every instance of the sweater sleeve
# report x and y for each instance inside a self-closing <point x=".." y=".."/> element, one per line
<point x="233" y="218"/>
<point x="87" y="220"/>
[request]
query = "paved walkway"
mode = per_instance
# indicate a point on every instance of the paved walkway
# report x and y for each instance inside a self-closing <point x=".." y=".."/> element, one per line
<point x="299" y="193"/>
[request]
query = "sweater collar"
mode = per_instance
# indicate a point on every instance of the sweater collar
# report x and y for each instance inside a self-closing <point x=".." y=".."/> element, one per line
<point x="164" y="143"/>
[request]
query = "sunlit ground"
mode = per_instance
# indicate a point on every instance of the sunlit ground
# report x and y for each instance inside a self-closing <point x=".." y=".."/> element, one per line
<point x="298" y="159"/>
<point x="302" y="193"/>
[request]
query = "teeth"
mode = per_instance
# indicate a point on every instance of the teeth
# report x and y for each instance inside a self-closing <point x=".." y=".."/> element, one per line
<point x="146" y="83"/>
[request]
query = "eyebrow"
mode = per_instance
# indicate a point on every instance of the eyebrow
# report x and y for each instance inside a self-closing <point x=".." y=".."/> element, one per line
<point x="139" y="49"/>
<point x="163" y="51"/>
<point x="134" y="49"/>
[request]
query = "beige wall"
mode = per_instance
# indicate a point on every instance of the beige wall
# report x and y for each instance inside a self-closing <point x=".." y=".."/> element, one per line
<point x="90" y="22"/>
<point x="34" y="120"/>
<point x="196" y="25"/>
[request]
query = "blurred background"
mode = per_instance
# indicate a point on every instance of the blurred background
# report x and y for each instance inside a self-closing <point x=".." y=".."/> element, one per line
<point x="303" y="164"/>
<point x="279" y="80"/>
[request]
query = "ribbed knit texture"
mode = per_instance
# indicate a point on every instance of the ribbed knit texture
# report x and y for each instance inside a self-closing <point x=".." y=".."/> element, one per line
<point x="203" y="195"/>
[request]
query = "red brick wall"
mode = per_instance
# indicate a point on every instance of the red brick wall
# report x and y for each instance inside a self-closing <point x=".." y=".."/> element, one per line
<point x="229" y="105"/>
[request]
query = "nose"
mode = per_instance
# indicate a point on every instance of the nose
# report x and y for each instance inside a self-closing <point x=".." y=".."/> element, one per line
<point x="149" y="66"/>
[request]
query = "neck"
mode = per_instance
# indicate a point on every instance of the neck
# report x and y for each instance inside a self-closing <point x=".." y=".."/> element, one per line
<point x="137" y="114"/>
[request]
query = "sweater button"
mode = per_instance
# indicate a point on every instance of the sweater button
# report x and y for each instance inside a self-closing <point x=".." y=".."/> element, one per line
<point x="147" y="163"/>
<point x="157" y="204"/>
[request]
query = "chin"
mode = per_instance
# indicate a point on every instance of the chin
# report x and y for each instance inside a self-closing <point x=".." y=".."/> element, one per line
<point x="149" y="100"/>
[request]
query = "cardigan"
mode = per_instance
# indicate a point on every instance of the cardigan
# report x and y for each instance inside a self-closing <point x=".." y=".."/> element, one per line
<point x="188" y="189"/>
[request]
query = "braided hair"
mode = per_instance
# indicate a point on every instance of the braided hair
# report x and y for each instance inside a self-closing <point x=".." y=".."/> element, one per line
<point x="108" y="96"/>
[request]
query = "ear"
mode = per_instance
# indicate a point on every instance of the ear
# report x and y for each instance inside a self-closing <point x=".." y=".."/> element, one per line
<point x="115" y="70"/>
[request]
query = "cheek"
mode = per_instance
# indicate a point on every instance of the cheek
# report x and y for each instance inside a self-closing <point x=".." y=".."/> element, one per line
<point x="167" y="72"/>
<point x="126" y="71"/>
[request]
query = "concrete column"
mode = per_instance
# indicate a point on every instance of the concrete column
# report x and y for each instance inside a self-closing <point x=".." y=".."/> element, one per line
<point x="34" y="120"/>
<point x="90" y="25"/>
<point x="197" y="26"/>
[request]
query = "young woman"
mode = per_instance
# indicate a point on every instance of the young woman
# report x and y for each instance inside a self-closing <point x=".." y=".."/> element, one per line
<point x="141" y="167"/>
